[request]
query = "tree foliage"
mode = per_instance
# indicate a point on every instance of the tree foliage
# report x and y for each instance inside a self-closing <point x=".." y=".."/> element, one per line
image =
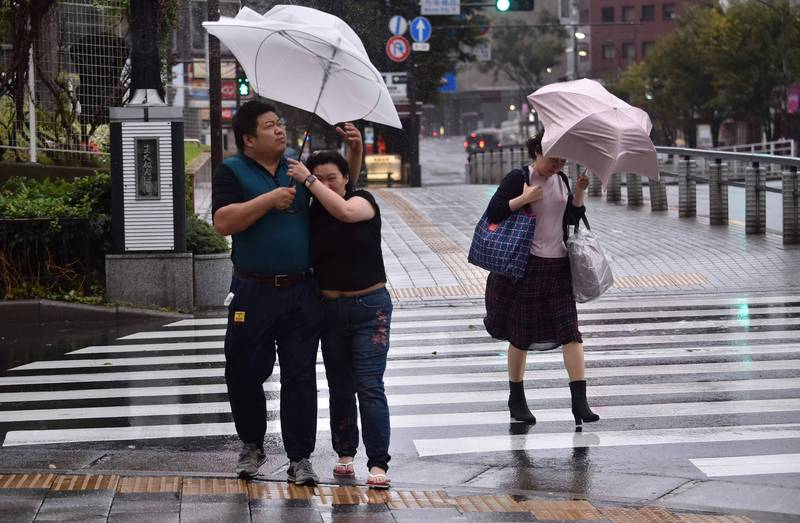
<point x="719" y="64"/>
<point x="523" y="53"/>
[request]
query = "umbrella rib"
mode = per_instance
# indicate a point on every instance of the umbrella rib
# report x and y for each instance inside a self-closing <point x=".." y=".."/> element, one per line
<point x="327" y="61"/>
<point x="355" y="56"/>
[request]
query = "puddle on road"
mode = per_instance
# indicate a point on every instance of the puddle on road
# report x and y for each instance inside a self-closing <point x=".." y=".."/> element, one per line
<point x="27" y="342"/>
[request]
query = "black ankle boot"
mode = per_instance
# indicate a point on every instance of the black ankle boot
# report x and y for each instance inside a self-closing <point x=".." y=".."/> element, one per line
<point x="580" y="407"/>
<point x="517" y="404"/>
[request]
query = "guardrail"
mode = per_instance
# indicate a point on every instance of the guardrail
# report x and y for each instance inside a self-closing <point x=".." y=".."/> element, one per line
<point x="719" y="169"/>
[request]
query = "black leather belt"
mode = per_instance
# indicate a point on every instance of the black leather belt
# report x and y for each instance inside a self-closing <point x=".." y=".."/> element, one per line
<point x="276" y="280"/>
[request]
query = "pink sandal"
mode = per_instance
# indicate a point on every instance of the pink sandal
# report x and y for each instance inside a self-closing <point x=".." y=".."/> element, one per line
<point x="344" y="470"/>
<point x="378" y="481"/>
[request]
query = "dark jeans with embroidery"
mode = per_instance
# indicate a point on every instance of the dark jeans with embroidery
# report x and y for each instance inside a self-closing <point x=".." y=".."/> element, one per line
<point x="355" y="342"/>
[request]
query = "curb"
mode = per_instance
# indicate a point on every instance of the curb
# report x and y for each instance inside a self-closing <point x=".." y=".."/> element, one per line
<point x="44" y="311"/>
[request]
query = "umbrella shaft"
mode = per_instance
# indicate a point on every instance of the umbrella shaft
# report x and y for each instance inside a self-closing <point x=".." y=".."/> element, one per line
<point x="316" y="105"/>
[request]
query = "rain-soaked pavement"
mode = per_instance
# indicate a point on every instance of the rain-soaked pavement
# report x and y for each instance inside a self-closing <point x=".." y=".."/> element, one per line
<point x="693" y="364"/>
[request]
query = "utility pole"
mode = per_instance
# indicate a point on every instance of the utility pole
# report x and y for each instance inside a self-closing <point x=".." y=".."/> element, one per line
<point x="214" y="88"/>
<point x="414" y="171"/>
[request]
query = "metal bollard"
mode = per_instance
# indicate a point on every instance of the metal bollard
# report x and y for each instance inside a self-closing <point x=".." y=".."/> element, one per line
<point x="614" y="188"/>
<point x="755" y="208"/>
<point x="687" y="188"/>
<point x="633" y="186"/>
<point x="658" y="193"/>
<point x="717" y="194"/>
<point x="791" y="207"/>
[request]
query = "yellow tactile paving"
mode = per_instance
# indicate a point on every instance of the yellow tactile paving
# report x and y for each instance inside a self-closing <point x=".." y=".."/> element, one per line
<point x="149" y="485"/>
<point x="87" y="482"/>
<point x="277" y="490"/>
<point x="206" y="486"/>
<point x="661" y="280"/>
<point x="563" y="510"/>
<point x="702" y="518"/>
<point x="487" y="504"/>
<point x="411" y="499"/>
<point x="394" y="499"/>
<point x="30" y="481"/>
<point x="639" y="515"/>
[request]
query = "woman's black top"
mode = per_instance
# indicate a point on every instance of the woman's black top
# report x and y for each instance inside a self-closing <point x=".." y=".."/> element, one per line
<point x="511" y="187"/>
<point x="346" y="256"/>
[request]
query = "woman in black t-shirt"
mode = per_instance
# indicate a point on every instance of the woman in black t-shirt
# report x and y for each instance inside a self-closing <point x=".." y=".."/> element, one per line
<point x="348" y="265"/>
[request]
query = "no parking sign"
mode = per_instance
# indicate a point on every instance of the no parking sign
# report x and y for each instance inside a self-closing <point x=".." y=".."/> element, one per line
<point x="398" y="48"/>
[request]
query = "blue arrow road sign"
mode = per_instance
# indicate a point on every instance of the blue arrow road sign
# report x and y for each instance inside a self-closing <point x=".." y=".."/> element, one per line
<point x="420" y="29"/>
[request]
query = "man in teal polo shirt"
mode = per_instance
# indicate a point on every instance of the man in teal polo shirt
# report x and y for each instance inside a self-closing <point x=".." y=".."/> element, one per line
<point x="276" y="306"/>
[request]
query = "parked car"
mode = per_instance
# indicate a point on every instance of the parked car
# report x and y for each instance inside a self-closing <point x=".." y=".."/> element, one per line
<point x="483" y="139"/>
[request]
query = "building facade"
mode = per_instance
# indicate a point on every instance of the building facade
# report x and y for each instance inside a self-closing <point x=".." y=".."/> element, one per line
<point x="622" y="32"/>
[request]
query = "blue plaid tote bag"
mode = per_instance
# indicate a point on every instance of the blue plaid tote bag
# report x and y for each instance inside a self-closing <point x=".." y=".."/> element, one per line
<point x="503" y="247"/>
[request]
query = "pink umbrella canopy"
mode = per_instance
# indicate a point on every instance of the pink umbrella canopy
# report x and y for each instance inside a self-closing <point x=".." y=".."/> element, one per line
<point x="585" y="123"/>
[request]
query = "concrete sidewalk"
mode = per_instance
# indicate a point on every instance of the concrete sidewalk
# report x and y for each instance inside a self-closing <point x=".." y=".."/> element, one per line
<point x="427" y="232"/>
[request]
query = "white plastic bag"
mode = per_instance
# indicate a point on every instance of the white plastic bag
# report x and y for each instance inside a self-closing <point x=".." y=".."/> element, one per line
<point x="591" y="270"/>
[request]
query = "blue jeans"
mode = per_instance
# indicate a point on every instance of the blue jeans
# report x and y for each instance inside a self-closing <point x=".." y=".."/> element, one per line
<point x="265" y="321"/>
<point x="355" y="342"/>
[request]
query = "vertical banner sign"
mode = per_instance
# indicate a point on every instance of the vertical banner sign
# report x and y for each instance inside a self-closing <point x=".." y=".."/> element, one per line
<point x="148" y="183"/>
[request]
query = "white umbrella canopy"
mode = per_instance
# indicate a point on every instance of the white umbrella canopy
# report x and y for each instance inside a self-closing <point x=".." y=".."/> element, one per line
<point x="310" y="60"/>
<point x="587" y="124"/>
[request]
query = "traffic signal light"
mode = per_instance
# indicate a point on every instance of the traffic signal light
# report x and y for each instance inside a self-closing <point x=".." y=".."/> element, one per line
<point x="242" y="85"/>
<point x="514" y="5"/>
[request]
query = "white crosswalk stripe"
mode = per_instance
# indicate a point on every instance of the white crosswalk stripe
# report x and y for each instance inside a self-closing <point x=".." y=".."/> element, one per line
<point x="688" y="363"/>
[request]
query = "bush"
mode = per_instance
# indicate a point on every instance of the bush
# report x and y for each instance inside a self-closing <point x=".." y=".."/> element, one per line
<point x="201" y="238"/>
<point x="53" y="237"/>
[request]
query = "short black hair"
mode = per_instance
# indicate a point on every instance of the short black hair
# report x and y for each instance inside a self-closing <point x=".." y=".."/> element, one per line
<point x="245" y="121"/>
<point x="534" y="145"/>
<point x="318" y="158"/>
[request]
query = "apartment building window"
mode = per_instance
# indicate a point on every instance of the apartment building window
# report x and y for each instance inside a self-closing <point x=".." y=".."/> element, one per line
<point x="607" y="14"/>
<point x="670" y="11"/>
<point x="609" y="51"/>
<point x="566" y="12"/>
<point x="629" y="51"/>
<point x="628" y="13"/>
<point x="647" y="48"/>
<point x="648" y="13"/>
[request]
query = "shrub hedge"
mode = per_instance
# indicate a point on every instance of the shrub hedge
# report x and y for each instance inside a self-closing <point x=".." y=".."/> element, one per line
<point x="54" y="235"/>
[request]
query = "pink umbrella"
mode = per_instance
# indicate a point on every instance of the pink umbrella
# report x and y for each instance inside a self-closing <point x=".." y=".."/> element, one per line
<point x="587" y="124"/>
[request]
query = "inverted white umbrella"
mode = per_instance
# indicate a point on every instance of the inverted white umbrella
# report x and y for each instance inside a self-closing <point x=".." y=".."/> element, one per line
<point x="310" y="60"/>
<point x="585" y="123"/>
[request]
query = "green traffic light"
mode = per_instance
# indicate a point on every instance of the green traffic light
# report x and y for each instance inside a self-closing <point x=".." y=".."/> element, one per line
<point x="503" y="5"/>
<point x="244" y="86"/>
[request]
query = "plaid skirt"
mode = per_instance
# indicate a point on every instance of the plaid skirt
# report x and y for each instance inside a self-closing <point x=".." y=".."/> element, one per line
<point x="537" y="312"/>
